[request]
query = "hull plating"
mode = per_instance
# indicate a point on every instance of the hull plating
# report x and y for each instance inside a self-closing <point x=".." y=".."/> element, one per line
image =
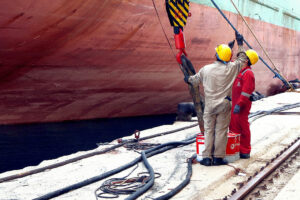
<point x="85" y="59"/>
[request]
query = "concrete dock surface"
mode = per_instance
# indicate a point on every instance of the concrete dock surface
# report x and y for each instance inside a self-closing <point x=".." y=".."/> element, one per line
<point x="270" y="134"/>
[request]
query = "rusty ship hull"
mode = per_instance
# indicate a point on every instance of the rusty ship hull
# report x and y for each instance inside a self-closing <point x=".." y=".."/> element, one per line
<point x="85" y="59"/>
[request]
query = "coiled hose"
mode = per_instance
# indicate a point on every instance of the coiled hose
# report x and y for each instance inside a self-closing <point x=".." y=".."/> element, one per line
<point x="149" y="184"/>
<point x="150" y="152"/>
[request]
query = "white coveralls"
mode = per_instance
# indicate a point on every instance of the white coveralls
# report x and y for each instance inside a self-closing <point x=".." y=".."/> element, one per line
<point x="217" y="80"/>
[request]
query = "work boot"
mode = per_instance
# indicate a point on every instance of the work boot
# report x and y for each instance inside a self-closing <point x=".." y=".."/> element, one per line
<point x="244" y="155"/>
<point x="206" y="161"/>
<point x="219" y="161"/>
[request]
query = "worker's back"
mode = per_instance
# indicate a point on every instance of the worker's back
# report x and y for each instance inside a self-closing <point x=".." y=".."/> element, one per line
<point x="217" y="79"/>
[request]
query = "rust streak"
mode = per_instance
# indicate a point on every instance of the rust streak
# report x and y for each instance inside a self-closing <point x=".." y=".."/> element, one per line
<point x="13" y="19"/>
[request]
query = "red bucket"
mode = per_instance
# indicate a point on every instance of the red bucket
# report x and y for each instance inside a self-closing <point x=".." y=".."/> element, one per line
<point x="231" y="144"/>
<point x="231" y="148"/>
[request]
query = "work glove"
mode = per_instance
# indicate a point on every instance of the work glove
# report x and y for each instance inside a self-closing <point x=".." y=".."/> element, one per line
<point x="231" y="44"/>
<point x="239" y="38"/>
<point x="236" y="109"/>
<point x="186" y="79"/>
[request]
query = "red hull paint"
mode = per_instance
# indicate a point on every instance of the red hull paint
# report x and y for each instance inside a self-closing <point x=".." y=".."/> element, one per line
<point x="85" y="59"/>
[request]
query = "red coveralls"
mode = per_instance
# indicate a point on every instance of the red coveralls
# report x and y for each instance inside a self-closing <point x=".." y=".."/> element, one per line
<point x="243" y="87"/>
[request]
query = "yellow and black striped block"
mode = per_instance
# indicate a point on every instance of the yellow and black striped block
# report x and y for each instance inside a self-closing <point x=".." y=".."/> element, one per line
<point x="178" y="12"/>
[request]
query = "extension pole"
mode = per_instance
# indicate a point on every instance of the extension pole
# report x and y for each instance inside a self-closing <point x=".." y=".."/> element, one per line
<point x="261" y="45"/>
<point x="262" y="60"/>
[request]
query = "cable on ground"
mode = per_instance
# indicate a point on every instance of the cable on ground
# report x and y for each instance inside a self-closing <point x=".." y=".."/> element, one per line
<point x="114" y="187"/>
<point x="183" y="183"/>
<point x="262" y="113"/>
<point x="59" y="164"/>
<point x="150" y="152"/>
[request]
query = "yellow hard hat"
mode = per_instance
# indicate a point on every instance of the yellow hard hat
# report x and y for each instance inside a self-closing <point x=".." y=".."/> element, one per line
<point x="252" y="55"/>
<point x="224" y="52"/>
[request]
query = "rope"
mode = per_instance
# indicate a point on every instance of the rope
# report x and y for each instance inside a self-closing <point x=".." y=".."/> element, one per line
<point x="277" y="75"/>
<point x="260" y="44"/>
<point x="139" y="146"/>
<point x="162" y="27"/>
<point x="114" y="187"/>
<point x="200" y="120"/>
<point x="148" y="184"/>
<point x="106" y="187"/>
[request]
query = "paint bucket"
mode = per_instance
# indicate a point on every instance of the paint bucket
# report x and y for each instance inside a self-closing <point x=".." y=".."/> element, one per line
<point x="231" y="155"/>
<point x="199" y="146"/>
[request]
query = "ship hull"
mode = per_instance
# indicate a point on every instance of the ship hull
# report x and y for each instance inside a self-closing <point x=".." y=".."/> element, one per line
<point x="86" y="59"/>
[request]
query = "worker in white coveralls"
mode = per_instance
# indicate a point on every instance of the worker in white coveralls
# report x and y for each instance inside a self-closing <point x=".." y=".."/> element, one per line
<point x="217" y="79"/>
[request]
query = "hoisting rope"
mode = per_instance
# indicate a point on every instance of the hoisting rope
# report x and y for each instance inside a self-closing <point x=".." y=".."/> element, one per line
<point x="162" y="27"/>
<point x="178" y="13"/>
<point x="169" y="43"/>
<point x="165" y="34"/>
<point x="275" y="71"/>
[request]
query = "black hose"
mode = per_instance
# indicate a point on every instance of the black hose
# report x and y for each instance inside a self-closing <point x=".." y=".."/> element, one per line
<point x="276" y="74"/>
<point x="183" y="183"/>
<point x="149" y="153"/>
<point x="168" y="132"/>
<point x="59" y="164"/>
<point x="148" y="185"/>
<point x="262" y="113"/>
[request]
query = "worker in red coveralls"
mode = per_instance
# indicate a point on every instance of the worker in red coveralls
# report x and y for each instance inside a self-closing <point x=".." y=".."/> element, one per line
<point x="217" y="79"/>
<point x="242" y="89"/>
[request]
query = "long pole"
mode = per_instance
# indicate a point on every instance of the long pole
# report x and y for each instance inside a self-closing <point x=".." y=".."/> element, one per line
<point x="260" y="44"/>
